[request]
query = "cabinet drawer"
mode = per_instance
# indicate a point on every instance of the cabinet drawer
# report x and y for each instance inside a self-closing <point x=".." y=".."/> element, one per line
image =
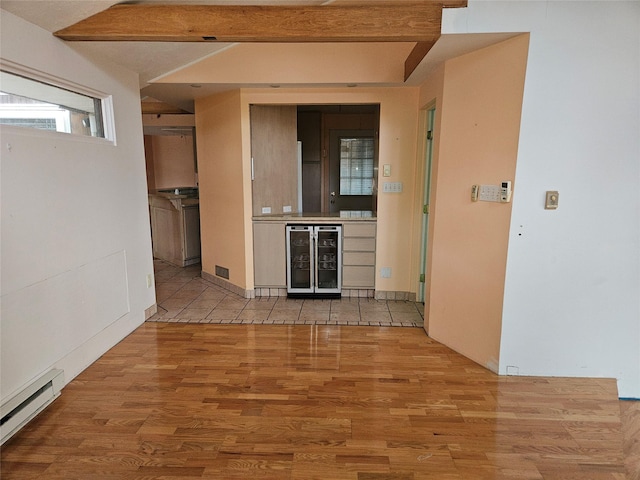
<point x="359" y="244"/>
<point x="359" y="258"/>
<point x="358" y="276"/>
<point x="354" y="229"/>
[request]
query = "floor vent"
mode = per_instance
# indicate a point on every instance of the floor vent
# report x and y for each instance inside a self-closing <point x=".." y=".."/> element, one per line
<point x="20" y="409"/>
<point x="222" y="272"/>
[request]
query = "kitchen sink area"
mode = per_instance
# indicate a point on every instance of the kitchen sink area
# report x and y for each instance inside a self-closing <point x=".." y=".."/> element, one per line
<point x="175" y="225"/>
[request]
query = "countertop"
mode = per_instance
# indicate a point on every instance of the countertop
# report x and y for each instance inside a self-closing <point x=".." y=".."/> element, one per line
<point x="177" y="200"/>
<point x="351" y="215"/>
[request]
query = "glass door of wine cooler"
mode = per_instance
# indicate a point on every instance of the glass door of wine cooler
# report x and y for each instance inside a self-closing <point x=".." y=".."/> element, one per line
<point x="314" y="260"/>
<point x="300" y="261"/>
<point x="328" y="259"/>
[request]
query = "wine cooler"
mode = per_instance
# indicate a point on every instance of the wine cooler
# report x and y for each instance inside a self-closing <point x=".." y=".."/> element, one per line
<point x="314" y="260"/>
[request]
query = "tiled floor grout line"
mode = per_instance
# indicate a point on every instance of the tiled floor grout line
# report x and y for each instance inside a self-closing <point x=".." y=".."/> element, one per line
<point x="189" y="281"/>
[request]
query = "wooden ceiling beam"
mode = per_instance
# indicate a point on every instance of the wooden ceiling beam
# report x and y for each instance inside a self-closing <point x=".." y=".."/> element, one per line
<point x="159" y="108"/>
<point x="415" y="57"/>
<point x="402" y="22"/>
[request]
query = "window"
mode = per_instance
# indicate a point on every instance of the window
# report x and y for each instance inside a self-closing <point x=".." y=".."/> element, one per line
<point x="29" y="103"/>
<point x="356" y="166"/>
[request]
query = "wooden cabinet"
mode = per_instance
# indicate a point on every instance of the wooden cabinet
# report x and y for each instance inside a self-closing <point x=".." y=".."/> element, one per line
<point x="274" y="152"/>
<point x="359" y="255"/>
<point x="175" y="229"/>
<point x="269" y="255"/>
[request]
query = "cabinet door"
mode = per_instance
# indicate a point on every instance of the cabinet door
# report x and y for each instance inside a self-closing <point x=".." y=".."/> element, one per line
<point x="191" y="232"/>
<point x="269" y="255"/>
<point x="166" y="235"/>
<point x="274" y="149"/>
<point x="300" y="259"/>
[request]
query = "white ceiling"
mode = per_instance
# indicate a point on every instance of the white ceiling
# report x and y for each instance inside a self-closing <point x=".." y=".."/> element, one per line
<point x="152" y="60"/>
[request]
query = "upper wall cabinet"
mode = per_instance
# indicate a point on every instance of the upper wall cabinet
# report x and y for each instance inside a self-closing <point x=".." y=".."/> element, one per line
<point x="274" y="152"/>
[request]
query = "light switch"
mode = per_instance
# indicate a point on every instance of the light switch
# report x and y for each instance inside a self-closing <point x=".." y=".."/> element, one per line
<point x="386" y="170"/>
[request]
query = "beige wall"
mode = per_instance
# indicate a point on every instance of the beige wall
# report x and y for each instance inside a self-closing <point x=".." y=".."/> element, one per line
<point x="219" y="142"/>
<point x="299" y="63"/>
<point x="222" y="185"/>
<point x="479" y="98"/>
<point x="398" y="130"/>
<point x="173" y="160"/>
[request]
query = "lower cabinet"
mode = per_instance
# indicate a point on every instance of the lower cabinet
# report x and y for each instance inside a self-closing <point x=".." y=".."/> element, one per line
<point x="175" y="230"/>
<point x="269" y="255"/>
<point x="359" y="255"/>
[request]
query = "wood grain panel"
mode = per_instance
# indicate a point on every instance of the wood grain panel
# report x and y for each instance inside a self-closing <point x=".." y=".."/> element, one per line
<point x="360" y="229"/>
<point x="359" y="258"/>
<point x="269" y="255"/>
<point x="417" y="54"/>
<point x="415" y="22"/>
<point x="364" y="244"/>
<point x="358" y="276"/>
<point x="274" y="149"/>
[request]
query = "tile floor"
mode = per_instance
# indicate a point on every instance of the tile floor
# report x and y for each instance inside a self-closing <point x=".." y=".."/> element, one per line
<point x="184" y="296"/>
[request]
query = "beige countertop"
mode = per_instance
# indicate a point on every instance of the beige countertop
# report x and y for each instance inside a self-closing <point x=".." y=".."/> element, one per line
<point x="177" y="200"/>
<point x="350" y="215"/>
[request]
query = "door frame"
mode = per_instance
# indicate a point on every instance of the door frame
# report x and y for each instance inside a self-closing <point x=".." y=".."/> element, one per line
<point x="428" y="136"/>
<point x="336" y="202"/>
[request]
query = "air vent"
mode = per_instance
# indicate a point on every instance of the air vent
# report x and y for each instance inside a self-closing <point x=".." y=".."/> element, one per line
<point x="222" y="272"/>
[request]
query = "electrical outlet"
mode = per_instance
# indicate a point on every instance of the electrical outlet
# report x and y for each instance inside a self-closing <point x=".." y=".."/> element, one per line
<point x="551" y="202"/>
<point x="266" y="210"/>
<point x="149" y="281"/>
<point x="385" y="272"/>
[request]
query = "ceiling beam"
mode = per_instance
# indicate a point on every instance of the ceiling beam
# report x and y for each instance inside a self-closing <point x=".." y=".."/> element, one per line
<point x="400" y="22"/>
<point x="415" y="57"/>
<point x="159" y="108"/>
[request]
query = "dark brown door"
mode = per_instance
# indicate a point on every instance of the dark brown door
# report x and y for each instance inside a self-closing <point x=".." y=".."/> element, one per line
<point x="351" y="169"/>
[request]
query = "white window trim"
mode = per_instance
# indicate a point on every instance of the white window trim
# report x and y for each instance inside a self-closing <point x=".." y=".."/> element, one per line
<point x="108" y="118"/>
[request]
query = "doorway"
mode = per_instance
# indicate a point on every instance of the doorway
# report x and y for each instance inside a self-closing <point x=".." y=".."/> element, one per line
<point x="351" y="170"/>
<point x="329" y="133"/>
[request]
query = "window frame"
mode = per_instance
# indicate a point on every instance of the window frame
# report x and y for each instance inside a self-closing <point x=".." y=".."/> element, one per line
<point x="106" y="104"/>
<point x="350" y="178"/>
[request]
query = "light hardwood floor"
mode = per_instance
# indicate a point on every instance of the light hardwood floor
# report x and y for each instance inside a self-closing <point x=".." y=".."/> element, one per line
<point x="182" y="401"/>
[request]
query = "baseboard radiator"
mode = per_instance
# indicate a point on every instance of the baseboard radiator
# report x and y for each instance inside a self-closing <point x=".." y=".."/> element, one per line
<point x="21" y="408"/>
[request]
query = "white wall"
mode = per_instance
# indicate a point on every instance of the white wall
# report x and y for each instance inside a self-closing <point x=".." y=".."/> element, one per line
<point x="572" y="299"/>
<point x="75" y="239"/>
